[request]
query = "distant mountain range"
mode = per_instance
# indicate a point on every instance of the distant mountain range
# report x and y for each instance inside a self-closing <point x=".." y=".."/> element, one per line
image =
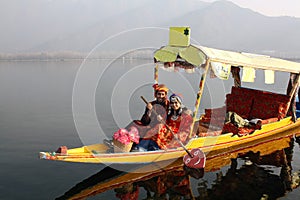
<point x="221" y="24"/>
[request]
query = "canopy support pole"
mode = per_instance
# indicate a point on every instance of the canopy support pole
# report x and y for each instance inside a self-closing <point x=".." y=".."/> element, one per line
<point x="199" y="96"/>
<point x="156" y="73"/>
<point x="291" y="91"/>
<point x="235" y="71"/>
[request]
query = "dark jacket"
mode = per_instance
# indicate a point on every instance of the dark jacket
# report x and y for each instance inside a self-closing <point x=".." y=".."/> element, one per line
<point x="150" y="118"/>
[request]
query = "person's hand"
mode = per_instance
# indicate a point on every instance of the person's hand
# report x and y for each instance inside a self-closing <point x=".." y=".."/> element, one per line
<point x="159" y="118"/>
<point x="163" y="147"/>
<point x="149" y="106"/>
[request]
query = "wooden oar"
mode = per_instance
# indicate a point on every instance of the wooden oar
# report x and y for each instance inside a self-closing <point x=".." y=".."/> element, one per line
<point x="195" y="158"/>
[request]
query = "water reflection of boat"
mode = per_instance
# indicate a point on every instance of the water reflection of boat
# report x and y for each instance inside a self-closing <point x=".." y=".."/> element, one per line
<point x="265" y="170"/>
<point x="257" y="179"/>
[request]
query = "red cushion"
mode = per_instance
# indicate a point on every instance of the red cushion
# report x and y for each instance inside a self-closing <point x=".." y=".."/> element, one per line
<point x="269" y="106"/>
<point x="214" y="116"/>
<point x="244" y="91"/>
<point x="245" y="131"/>
<point x="230" y="128"/>
<point x="283" y="109"/>
<point x="265" y="104"/>
<point x="239" y="104"/>
<point x="205" y="130"/>
<point x="263" y="109"/>
<point x="211" y="133"/>
<point x="242" y="131"/>
<point x="270" y="120"/>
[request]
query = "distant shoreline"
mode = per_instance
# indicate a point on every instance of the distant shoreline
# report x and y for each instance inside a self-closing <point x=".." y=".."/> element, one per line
<point x="77" y="56"/>
<point x="70" y="59"/>
<point x="70" y="55"/>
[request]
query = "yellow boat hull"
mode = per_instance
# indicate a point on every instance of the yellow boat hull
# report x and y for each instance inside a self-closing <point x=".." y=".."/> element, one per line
<point x="211" y="146"/>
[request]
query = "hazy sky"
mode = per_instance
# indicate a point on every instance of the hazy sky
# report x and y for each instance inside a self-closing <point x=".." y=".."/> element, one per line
<point x="27" y="24"/>
<point x="270" y="7"/>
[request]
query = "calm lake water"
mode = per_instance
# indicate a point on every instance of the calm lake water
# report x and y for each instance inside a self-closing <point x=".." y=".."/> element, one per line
<point x="36" y="115"/>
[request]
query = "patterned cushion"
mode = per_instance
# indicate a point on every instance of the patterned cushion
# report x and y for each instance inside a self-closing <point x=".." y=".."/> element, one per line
<point x="211" y="133"/>
<point x="204" y="130"/>
<point x="270" y="120"/>
<point x="230" y="128"/>
<point x="245" y="131"/>
<point x="265" y="104"/>
<point x="282" y="109"/>
<point x="214" y="116"/>
<point x="269" y="106"/>
<point x="240" y="104"/>
<point x="249" y="104"/>
<point x="240" y="91"/>
<point x="242" y="131"/>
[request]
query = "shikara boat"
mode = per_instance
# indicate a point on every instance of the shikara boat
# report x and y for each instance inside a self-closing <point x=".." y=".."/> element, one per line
<point x="274" y="112"/>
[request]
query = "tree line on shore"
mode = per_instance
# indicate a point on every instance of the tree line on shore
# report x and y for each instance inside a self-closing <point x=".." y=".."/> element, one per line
<point x="72" y="55"/>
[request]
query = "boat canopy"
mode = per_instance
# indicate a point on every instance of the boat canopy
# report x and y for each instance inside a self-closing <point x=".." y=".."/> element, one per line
<point x="199" y="55"/>
<point x="181" y="54"/>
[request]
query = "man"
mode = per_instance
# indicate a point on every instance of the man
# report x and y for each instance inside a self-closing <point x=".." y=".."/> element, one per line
<point x="159" y="105"/>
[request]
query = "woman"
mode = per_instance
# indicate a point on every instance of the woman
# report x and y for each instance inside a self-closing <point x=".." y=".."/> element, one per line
<point x="179" y="120"/>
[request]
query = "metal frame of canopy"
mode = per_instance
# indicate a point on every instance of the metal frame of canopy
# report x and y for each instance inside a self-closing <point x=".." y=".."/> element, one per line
<point x="203" y="57"/>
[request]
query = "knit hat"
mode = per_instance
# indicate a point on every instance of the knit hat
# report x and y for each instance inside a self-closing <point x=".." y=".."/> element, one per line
<point x="176" y="97"/>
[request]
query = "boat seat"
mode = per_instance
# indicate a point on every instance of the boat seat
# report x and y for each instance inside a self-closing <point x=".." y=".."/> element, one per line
<point x="255" y="104"/>
<point x="249" y="104"/>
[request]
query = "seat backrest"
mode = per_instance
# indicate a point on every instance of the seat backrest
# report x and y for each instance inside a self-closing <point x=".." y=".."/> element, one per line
<point x="251" y="103"/>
